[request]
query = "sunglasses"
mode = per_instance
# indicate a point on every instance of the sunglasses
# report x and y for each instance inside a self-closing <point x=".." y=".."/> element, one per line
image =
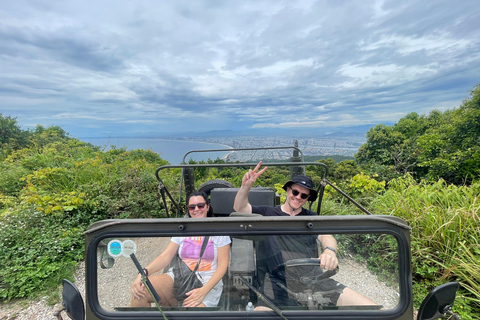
<point x="296" y="193"/>
<point x="200" y="206"/>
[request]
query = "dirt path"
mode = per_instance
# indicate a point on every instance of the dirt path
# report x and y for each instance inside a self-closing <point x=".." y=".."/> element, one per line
<point x="366" y="283"/>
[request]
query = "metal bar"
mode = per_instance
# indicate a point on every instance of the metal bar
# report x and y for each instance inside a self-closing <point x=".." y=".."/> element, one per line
<point x="358" y="205"/>
<point x="243" y="164"/>
<point x="242" y="149"/>
<point x="146" y="282"/>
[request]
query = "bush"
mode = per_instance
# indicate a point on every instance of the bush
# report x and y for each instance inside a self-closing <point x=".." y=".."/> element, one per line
<point x="37" y="250"/>
<point x="50" y="195"/>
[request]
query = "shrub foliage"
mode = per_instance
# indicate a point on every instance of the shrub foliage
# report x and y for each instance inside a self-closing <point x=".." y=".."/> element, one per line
<point x="52" y="188"/>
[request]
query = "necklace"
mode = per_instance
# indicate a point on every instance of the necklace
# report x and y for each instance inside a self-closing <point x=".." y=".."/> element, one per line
<point x="283" y="207"/>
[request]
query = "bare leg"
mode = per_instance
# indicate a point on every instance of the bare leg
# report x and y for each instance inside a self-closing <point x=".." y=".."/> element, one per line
<point x="262" y="308"/>
<point x="352" y="298"/>
<point x="348" y="297"/>
<point x="163" y="284"/>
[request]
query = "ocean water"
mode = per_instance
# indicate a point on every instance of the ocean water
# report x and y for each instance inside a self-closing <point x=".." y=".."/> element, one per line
<point x="171" y="150"/>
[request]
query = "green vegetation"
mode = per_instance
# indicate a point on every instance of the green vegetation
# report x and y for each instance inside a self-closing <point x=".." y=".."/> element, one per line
<point x="445" y="221"/>
<point x="438" y="146"/>
<point x="51" y="188"/>
<point x="424" y="169"/>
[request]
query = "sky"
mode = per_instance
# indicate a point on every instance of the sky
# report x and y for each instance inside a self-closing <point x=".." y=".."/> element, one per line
<point x="118" y="67"/>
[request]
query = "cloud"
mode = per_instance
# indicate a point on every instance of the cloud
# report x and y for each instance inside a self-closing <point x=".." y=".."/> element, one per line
<point x="175" y="66"/>
<point x="431" y="44"/>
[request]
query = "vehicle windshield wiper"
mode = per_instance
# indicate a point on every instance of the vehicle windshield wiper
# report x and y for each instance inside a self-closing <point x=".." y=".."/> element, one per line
<point x="146" y="282"/>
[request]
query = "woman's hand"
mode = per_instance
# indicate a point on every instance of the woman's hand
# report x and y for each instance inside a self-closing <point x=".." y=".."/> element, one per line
<point x="138" y="289"/>
<point x="195" y="297"/>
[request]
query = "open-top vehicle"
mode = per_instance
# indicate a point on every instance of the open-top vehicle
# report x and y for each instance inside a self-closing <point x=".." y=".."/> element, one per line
<point x="116" y="250"/>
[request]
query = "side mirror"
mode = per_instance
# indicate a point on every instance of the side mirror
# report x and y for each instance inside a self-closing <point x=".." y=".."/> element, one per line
<point x="106" y="261"/>
<point x="439" y="302"/>
<point x="72" y="301"/>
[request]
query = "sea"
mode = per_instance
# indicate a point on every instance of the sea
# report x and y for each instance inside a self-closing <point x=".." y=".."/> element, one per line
<point x="171" y="150"/>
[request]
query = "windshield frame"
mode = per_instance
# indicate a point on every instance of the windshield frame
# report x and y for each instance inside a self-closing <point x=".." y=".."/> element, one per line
<point x="244" y="227"/>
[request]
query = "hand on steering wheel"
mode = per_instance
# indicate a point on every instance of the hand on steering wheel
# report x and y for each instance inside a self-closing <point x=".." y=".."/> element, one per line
<point x="328" y="261"/>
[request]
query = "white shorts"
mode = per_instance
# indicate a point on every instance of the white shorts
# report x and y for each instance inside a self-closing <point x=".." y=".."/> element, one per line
<point x="213" y="297"/>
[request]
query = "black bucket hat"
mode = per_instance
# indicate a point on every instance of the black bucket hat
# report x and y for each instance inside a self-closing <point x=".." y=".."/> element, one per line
<point x="305" y="182"/>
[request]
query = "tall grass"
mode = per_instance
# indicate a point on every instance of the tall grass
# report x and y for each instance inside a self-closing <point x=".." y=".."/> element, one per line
<point x="445" y="221"/>
<point x="469" y="270"/>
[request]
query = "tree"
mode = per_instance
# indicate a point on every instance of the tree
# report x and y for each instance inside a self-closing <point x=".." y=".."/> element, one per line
<point x="451" y="148"/>
<point x="440" y="145"/>
<point x="320" y="171"/>
<point x="42" y="136"/>
<point x="345" y="170"/>
<point x="11" y="135"/>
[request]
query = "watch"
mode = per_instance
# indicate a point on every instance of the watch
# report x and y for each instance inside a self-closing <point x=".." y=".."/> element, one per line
<point x="145" y="270"/>
<point x="330" y="248"/>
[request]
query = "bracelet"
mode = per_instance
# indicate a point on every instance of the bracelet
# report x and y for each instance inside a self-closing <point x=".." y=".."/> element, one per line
<point x="330" y="248"/>
<point x="146" y="271"/>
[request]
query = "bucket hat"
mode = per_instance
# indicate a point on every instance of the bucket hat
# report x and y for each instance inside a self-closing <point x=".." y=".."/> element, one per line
<point x="305" y="182"/>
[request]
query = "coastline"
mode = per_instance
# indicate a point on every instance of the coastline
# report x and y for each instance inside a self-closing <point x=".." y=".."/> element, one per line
<point x="220" y="144"/>
<point x="166" y="148"/>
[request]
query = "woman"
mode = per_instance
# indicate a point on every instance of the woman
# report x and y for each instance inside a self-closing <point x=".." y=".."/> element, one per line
<point x="211" y="270"/>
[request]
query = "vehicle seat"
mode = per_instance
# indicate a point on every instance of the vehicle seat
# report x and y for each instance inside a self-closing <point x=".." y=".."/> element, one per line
<point x="244" y="261"/>
<point x="222" y="199"/>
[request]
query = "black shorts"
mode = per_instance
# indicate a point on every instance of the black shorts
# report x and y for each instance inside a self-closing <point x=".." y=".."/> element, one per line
<point x="330" y="289"/>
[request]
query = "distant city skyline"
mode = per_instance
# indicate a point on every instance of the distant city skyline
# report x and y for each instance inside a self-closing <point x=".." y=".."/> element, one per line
<point x="132" y="68"/>
<point x="327" y="146"/>
<point x="174" y="150"/>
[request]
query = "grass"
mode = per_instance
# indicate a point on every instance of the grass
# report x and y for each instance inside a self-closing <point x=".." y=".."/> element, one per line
<point x="445" y="221"/>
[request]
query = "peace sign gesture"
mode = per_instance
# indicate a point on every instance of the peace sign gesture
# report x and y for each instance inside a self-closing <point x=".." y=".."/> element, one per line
<point x="251" y="175"/>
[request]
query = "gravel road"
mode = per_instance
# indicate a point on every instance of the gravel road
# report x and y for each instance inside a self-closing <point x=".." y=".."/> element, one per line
<point x="362" y="281"/>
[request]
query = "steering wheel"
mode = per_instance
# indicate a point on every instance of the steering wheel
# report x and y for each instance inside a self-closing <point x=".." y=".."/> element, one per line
<point x="307" y="280"/>
<point x="309" y="296"/>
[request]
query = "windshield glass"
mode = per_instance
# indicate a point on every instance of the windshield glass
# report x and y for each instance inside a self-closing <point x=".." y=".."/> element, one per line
<point x="278" y="272"/>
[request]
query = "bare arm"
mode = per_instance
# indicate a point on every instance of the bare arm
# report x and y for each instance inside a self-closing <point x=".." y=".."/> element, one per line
<point x="241" y="203"/>
<point x="196" y="296"/>
<point x="160" y="262"/>
<point x="328" y="258"/>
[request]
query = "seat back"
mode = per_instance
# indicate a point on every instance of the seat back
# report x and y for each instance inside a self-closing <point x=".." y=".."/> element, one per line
<point x="222" y="199"/>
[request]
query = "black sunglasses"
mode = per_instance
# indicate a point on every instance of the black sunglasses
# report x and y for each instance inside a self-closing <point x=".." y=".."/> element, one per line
<point x="200" y="206"/>
<point x="296" y="193"/>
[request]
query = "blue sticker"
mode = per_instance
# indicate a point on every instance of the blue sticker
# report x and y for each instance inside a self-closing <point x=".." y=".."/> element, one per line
<point x="115" y="248"/>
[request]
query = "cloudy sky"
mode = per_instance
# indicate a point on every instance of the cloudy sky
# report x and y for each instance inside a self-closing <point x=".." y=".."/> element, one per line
<point x="126" y="67"/>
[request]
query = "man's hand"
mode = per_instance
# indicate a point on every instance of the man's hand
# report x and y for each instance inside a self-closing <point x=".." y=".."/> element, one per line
<point x="328" y="260"/>
<point x="241" y="199"/>
<point x="252" y="175"/>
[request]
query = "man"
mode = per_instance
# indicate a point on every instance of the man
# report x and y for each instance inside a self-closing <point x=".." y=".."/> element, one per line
<point x="299" y="190"/>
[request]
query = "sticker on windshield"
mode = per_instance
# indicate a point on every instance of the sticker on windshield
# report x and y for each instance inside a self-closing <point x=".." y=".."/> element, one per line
<point x="115" y="248"/>
<point x="128" y="247"/>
